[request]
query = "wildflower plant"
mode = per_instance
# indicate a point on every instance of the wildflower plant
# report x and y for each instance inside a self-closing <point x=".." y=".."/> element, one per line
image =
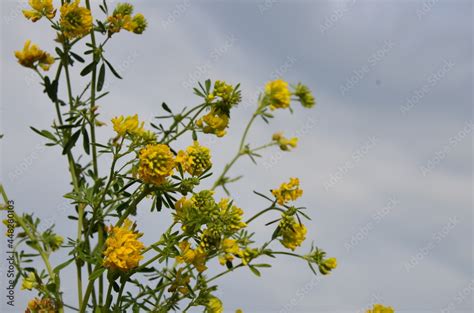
<point x="119" y="272"/>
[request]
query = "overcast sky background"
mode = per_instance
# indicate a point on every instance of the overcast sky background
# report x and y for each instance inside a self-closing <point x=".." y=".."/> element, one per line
<point x="385" y="159"/>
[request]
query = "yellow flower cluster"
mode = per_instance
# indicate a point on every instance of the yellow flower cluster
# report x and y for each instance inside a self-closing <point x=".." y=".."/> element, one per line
<point x="123" y="249"/>
<point x="32" y="56"/>
<point x="156" y="162"/>
<point x="40" y="8"/>
<point x="122" y="19"/>
<point x="76" y="21"/>
<point x="214" y="122"/>
<point x="230" y="247"/>
<point x="196" y="257"/>
<point x="277" y="94"/>
<point x="128" y="125"/>
<point x="378" y="308"/>
<point x="45" y="305"/>
<point x="288" y="191"/>
<point x="293" y="233"/>
<point x="131" y="126"/>
<point x="327" y="266"/>
<point x="214" y="305"/>
<point x="29" y="282"/>
<point x="224" y="96"/>
<point x="231" y="215"/>
<point x="195" y="160"/>
<point x="305" y="97"/>
<point x="284" y="143"/>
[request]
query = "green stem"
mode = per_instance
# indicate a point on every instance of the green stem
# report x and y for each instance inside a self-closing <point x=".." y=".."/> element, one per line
<point x="201" y="107"/>
<point x="133" y="206"/>
<point x="108" y="297"/>
<point x="262" y="212"/>
<point x="240" y="152"/>
<point x="93" y="139"/>
<point x="119" y="295"/>
<point x="37" y="247"/>
<point x="225" y="272"/>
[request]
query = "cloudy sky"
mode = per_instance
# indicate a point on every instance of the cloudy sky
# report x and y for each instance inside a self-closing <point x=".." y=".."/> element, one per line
<point x="385" y="159"/>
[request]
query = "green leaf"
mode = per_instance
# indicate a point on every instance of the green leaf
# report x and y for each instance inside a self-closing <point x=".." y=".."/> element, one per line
<point x="255" y="271"/>
<point x="62" y="265"/>
<point x="59" y="52"/>
<point x="71" y="142"/>
<point x="77" y="57"/>
<point x="112" y="69"/>
<point x="166" y="108"/>
<point x="96" y="273"/>
<point x="101" y="78"/>
<point x="88" y="69"/>
<point x="276" y="233"/>
<point x="44" y="133"/>
<point x="85" y="140"/>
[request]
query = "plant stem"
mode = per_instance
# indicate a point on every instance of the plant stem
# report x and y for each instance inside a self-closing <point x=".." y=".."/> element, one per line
<point x="201" y="108"/>
<point x="133" y="206"/>
<point x="240" y="152"/>
<point x="225" y="272"/>
<point x="262" y="212"/>
<point x="93" y="139"/>
<point x="44" y="255"/>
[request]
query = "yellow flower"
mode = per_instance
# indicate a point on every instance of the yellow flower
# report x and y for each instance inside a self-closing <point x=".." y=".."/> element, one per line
<point x="196" y="257"/>
<point x="45" y="305"/>
<point x="40" y="8"/>
<point x="214" y="123"/>
<point x="288" y="191"/>
<point x="122" y="19"/>
<point x="378" y="308"/>
<point x="156" y="163"/>
<point x="277" y="94"/>
<point x="214" y="305"/>
<point x="305" y="97"/>
<point x="327" y="266"/>
<point x="239" y="311"/>
<point x="293" y="235"/>
<point x="231" y="215"/>
<point x="132" y="126"/>
<point x="195" y="160"/>
<point x="137" y="24"/>
<point x="32" y="56"/>
<point x="122" y="247"/>
<point x="29" y="282"/>
<point x="224" y="97"/>
<point x="75" y="21"/>
<point x="230" y="248"/>
<point x="56" y="242"/>
<point x="247" y="255"/>
<point x="284" y="143"/>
